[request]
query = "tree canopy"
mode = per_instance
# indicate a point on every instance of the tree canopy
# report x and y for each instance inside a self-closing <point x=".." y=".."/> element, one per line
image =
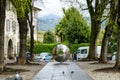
<point x="22" y="7"/>
<point x="49" y="37"/>
<point x="73" y="26"/>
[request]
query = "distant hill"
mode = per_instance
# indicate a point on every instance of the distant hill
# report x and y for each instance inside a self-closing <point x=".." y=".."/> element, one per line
<point x="48" y="22"/>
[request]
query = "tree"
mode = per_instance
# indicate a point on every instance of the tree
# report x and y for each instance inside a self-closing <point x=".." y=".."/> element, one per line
<point x="22" y="9"/>
<point x="74" y="26"/>
<point x="30" y="21"/>
<point x="108" y="32"/>
<point x="2" y="24"/>
<point x="23" y="39"/>
<point x="96" y="12"/>
<point x="59" y="32"/>
<point x="49" y="37"/>
<point x="117" y="65"/>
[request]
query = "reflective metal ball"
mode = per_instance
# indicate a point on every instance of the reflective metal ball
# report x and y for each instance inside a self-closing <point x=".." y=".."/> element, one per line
<point x="61" y="53"/>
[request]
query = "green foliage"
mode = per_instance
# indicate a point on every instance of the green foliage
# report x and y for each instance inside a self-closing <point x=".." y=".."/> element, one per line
<point x="59" y="31"/>
<point x="28" y="40"/>
<point x="73" y="26"/>
<point x="38" y="47"/>
<point x="112" y="49"/>
<point x="114" y="34"/>
<point x="60" y="51"/>
<point x="49" y="37"/>
<point x="113" y="39"/>
<point x="22" y="7"/>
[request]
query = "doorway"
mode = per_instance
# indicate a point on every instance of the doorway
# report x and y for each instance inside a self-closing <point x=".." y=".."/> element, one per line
<point x="10" y="50"/>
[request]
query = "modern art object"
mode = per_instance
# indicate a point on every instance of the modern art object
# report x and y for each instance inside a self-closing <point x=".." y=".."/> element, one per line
<point x="61" y="53"/>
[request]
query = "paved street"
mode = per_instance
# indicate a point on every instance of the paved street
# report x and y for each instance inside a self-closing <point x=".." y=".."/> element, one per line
<point x="61" y="71"/>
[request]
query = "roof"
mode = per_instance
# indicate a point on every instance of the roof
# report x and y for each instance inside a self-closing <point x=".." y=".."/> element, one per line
<point x="37" y="9"/>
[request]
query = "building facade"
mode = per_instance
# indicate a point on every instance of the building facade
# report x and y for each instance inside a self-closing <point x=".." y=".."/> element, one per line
<point x="11" y="37"/>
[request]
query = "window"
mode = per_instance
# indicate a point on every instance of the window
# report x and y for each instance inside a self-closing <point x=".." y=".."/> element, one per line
<point x="14" y="26"/>
<point x="78" y="51"/>
<point x="7" y="25"/>
<point x="83" y="51"/>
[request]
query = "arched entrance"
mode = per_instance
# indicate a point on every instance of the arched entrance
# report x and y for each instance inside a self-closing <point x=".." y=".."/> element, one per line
<point x="10" y="49"/>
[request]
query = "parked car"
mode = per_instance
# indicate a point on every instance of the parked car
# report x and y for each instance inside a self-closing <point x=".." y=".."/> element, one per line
<point x="28" y="55"/>
<point x="83" y="51"/>
<point x="42" y="56"/>
<point x="112" y="56"/>
<point x="48" y="58"/>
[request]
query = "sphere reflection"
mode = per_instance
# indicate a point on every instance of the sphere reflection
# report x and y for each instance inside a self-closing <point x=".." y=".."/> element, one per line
<point x="61" y="53"/>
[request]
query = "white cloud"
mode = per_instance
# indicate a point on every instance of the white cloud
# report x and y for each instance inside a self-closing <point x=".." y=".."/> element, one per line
<point x="55" y="7"/>
<point x="50" y="7"/>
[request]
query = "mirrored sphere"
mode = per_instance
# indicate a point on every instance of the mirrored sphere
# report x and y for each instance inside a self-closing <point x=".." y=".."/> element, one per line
<point x="61" y="53"/>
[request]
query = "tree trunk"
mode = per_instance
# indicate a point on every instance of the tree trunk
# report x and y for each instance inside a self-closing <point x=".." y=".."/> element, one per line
<point x="32" y="43"/>
<point x="30" y="20"/>
<point x="23" y="39"/>
<point x="108" y="33"/>
<point x="96" y="13"/>
<point x="93" y="38"/>
<point x="2" y="24"/>
<point x="104" y="49"/>
<point x="117" y="65"/>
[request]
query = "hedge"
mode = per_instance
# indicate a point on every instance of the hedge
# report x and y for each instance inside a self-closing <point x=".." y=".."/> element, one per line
<point x="38" y="47"/>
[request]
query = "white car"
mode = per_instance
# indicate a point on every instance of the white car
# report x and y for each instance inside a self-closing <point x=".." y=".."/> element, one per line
<point x="114" y="56"/>
<point x="82" y="52"/>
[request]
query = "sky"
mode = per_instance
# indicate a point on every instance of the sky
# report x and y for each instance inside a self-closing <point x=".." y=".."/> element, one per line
<point x="53" y="7"/>
<point x="50" y="7"/>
